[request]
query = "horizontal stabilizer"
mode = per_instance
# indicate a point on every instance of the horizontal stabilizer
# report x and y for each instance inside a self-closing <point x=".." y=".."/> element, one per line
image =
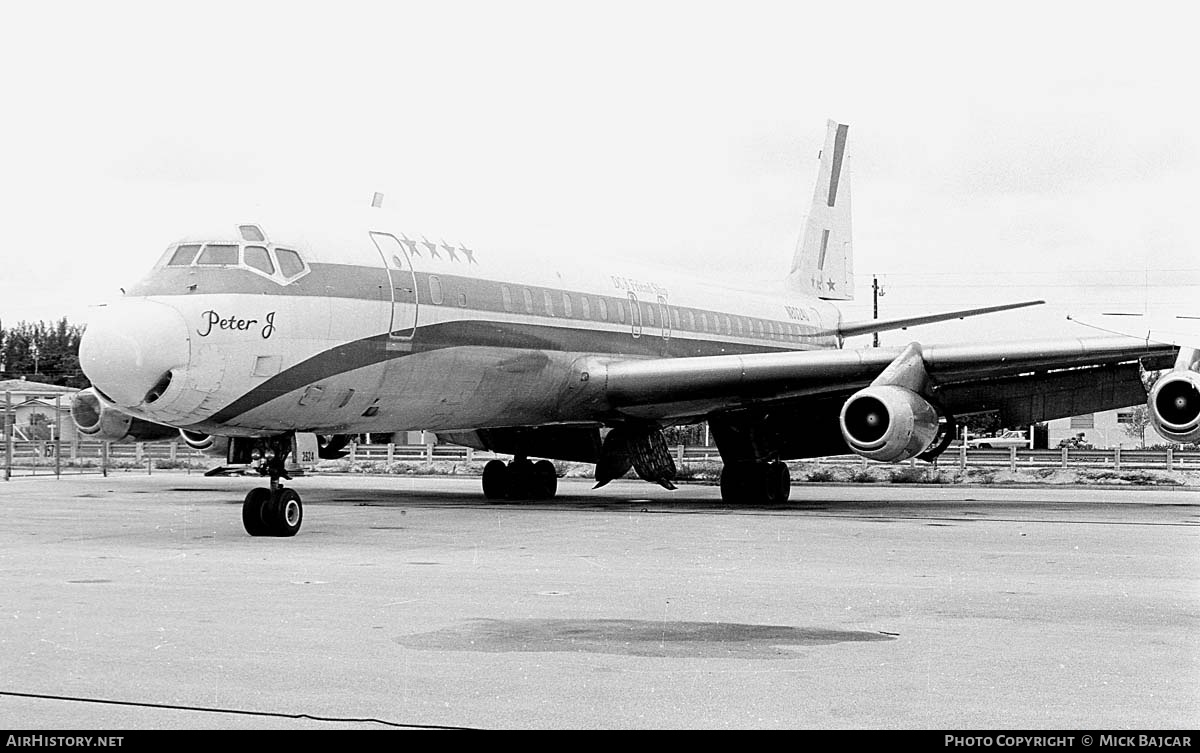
<point x="849" y="329"/>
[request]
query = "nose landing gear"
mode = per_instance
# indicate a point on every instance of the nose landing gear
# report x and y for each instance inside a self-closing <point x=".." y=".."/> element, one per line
<point x="275" y="511"/>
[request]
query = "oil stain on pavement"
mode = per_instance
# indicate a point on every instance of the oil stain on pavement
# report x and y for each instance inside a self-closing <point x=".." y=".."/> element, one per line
<point x="633" y="638"/>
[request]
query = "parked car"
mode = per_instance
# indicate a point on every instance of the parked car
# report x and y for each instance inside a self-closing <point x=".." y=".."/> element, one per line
<point x="1010" y="438"/>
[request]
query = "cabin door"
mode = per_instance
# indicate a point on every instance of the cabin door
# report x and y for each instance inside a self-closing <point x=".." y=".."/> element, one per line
<point x="402" y="282"/>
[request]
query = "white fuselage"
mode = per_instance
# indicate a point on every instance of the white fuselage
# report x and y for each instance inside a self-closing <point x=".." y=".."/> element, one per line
<point x="363" y="330"/>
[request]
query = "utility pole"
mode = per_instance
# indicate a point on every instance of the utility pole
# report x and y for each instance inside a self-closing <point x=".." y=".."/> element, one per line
<point x="877" y="293"/>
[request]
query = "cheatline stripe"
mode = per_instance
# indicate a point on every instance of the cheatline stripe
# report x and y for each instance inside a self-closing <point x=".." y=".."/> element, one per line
<point x="372" y="350"/>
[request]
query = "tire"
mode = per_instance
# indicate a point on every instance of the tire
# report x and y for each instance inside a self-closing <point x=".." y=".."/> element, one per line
<point x="495" y="480"/>
<point x="520" y="479"/>
<point x="730" y="484"/>
<point x="778" y="482"/>
<point x="285" y="513"/>
<point x="253" y="511"/>
<point x="545" y="480"/>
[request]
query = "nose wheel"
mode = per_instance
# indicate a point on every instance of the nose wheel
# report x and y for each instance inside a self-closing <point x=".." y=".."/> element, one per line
<point x="272" y="512"/>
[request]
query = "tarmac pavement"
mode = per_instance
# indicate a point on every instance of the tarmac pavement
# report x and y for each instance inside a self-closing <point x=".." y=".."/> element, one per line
<point x="138" y="602"/>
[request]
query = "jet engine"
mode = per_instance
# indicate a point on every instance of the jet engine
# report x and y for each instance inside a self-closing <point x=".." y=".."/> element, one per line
<point x="1175" y="406"/>
<point x="209" y="444"/>
<point x="333" y="446"/>
<point x="95" y="420"/>
<point x="888" y="423"/>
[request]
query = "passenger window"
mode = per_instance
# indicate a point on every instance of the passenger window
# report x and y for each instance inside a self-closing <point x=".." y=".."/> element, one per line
<point x="650" y="315"/>
<point x="549" y="301"/>
<point x="258" y="258"/>
<point x="675" y="316"/>
<point x="620" y="306"/>
<point x="691" y="320"/>
<point x="566" y="304"/>
<point x="183" y="255"/>
<point x="506" y="295"/>
<point x="435" y="290"/>
<point x="602" y="304"/>
<point x="528" y="300"/>
<point x="289" y="262"/>
<point x="214" y="254"/>
<point x="585" y="307"/>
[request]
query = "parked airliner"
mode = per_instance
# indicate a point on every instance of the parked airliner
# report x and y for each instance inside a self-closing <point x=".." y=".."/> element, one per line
<point x="268" y="338"/>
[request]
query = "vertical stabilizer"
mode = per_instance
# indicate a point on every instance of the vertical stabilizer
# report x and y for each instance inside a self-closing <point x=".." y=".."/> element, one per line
<point x="824" y="262"/>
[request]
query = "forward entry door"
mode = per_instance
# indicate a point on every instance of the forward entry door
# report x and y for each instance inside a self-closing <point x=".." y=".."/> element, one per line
<point x="402" y="282"/>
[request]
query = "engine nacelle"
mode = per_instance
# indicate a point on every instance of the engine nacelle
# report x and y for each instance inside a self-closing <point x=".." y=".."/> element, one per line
<point x="1175" y="406"/>
<point x="96" y="420"/>
<point x="333" y="446"/>
<point x="888" y="423"/>
<point x="209" y="444"/>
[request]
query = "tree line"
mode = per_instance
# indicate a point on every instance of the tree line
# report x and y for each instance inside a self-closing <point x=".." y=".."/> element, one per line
<point x="46" y="352"/>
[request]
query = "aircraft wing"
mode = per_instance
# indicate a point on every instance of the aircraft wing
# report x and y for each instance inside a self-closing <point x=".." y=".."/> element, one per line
<point x="1032" y="381"/>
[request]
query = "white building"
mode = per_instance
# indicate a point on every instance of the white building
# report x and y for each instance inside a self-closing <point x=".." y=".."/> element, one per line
<point x="1114" y="428"/>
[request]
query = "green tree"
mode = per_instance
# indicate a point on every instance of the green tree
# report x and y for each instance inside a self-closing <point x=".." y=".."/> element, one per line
<point x="42" y="352"/>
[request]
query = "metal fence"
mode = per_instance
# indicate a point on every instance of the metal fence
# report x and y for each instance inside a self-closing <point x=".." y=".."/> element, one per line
<point x="32" y="458"/>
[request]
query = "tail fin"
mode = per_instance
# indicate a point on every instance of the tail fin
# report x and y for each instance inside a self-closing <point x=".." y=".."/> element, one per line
<point x="824" y="262"/>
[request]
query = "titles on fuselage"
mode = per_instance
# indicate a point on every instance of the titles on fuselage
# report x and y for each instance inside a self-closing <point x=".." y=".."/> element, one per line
<point x="638" y="286"/>
<point x="213" y="320"/>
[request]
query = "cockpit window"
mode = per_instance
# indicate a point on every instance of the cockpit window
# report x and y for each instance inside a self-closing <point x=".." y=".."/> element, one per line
<point x="215" y="253"/>
<point x="258" y="258"/>
<point x="251" y="233"/>
<point x="289" y="262"/>
<point x="183" y="255"/>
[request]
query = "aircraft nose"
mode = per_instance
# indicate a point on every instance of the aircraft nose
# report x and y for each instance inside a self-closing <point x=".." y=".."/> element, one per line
<point x="130" y="350"/>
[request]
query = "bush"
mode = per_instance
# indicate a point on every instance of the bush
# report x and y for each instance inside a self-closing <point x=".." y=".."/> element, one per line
<point x="821" y="475"/>
<point x="909" y="475"/>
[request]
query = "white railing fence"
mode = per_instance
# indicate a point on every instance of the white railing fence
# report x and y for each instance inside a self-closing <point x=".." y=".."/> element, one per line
<point x="24" y="457"/>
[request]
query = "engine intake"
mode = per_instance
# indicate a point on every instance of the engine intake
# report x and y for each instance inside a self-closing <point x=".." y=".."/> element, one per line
<point x="96" y="420"/>
<point x="1175" y="406"/>
<point x="888" y="423"/>
<point x="209" y="444"/>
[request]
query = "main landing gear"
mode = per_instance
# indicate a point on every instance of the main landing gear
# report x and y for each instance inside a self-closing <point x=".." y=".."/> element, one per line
<point x="520" y="479"/>
<point x="755" y="483"/>
<point x="275" y="511"/>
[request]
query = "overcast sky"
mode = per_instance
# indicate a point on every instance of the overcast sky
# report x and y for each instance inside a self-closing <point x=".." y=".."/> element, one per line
<point x="999" y="152"/>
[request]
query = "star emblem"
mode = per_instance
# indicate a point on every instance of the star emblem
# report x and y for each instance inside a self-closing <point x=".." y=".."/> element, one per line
<point x="450" y="250"/>
<point x="433" y="249"/>
<point x="412" y="246"/>
<point x="469" y="254"/>
<point x="832" y="285"/>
